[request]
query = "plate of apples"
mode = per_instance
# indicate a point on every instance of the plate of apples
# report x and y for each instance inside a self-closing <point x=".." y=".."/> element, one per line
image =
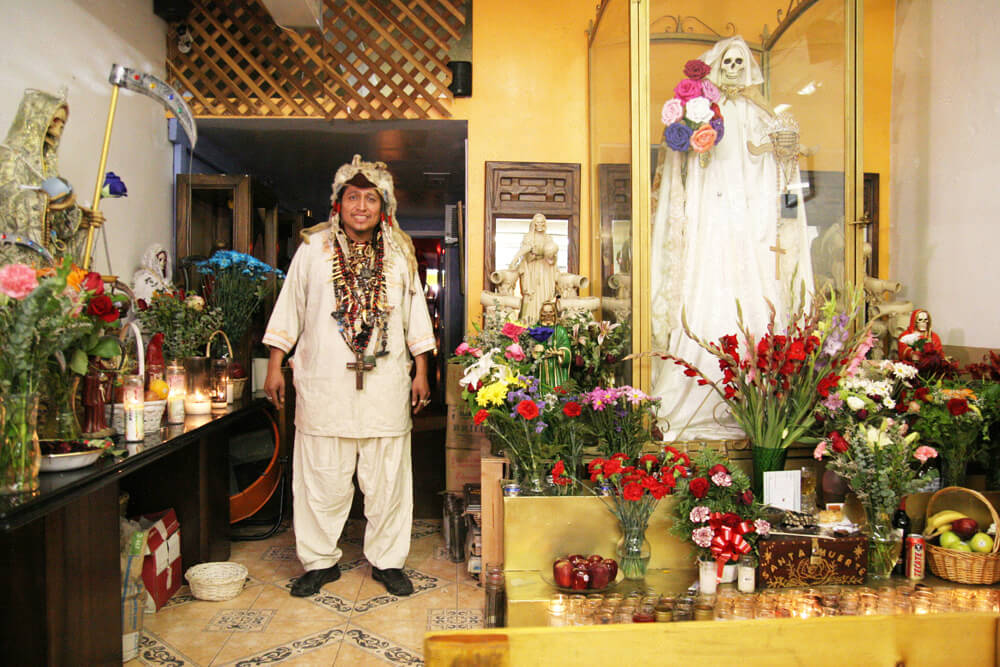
<point x="577" y="573"/>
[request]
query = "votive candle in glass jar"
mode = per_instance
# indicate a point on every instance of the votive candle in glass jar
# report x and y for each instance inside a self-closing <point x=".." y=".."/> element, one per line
<point x="133" y="404"/>
<point x="746" y="575"/>
<point x="557" y="610"/>
<point x="198" y="377"/>
<point x="219" y="389"/>
<point x="176" y="391"/>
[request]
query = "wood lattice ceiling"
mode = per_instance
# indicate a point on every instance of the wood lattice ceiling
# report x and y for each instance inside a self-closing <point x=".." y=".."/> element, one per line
<point x="373" y="60"/>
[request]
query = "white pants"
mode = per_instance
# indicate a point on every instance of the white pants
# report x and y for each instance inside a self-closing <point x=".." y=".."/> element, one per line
<point x="322" y="494"/>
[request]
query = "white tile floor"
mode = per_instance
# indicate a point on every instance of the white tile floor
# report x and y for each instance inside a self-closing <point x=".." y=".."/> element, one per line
<point x="352" y="621"/>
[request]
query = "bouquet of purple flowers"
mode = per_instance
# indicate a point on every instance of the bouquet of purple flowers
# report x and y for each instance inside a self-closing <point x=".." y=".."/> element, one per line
<point x="692" y="116"/>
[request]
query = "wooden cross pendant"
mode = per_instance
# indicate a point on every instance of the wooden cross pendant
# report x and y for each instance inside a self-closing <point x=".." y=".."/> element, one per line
<point x="778" y="252"/>
<point x="359" y="366"/>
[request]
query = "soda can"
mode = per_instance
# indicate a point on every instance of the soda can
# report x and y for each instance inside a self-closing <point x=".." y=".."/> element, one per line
<point x="916" y="556"/>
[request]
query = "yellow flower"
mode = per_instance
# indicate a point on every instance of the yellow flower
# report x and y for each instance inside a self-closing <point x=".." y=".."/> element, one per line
<point x="493" y="394"/>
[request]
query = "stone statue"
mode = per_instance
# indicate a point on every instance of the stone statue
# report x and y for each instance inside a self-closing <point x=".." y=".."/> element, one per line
<point x="535" y="263"/>
<point x="553" y="353"/>
<point x="877" y="295"/>
<point x="718" y="238"/>
<point x="35" y="203"/>
<point x="503" y="297"/>
<point x="156" y="274"/>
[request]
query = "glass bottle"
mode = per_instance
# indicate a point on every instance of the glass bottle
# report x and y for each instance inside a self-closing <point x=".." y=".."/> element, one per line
<point x="901" y="526"/>
<point x="496" y="598"/>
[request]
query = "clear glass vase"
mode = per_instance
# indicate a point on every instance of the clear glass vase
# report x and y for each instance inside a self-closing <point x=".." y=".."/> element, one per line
<point x="633" y="552"/>
<point x="20" y="456"/>
<point x="884" y="545"/>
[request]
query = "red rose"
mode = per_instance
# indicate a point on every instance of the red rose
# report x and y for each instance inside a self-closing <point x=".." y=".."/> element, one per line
<point x="481" y="416"/>
<point x="958" y="406"/>
<point x="696" y="69"/>
<point x="718" y="467"/>
<point x="101" y="306"/>
<point x="922" y="394"/>
<point x="698" y="486"/>
<point x="141" y="303"/>
<point x="746" y="498"/>
<point x="527" y="409"/>
<point x="92" y="283"/>
<point x="632" y="491"/>
<point x="571" y="409"/>
<point x="839" y="444"/>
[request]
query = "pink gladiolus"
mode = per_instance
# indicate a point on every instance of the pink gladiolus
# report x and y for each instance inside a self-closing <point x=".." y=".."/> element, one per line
<point x="924" y="453"/>
<point x="17" y="280"/>
<point x="514" y="352"/>
<point x="820" y="450"/>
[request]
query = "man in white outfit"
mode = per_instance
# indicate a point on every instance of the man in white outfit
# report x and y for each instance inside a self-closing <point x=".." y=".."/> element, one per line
<point x="353" y="308"/>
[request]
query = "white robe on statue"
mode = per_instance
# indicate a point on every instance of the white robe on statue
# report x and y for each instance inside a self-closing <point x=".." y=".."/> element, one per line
<point x="713" y="250"/>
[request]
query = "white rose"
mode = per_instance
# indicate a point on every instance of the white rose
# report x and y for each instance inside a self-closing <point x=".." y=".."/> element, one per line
<point x="699" y="110"/>
<point x="855" y="403"/>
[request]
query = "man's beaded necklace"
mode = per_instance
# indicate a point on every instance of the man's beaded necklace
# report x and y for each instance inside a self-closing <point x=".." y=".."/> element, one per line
<point x="360" y="292"/>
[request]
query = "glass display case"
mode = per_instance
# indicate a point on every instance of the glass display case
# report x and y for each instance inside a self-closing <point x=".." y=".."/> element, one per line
<point x="688" y="221"/>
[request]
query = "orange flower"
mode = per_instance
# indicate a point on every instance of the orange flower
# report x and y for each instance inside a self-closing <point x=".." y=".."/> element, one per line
<point x="75" y="278"/>
<point x="45" y="272"/>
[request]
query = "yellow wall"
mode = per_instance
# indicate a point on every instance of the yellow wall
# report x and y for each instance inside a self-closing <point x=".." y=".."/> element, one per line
<point x="529" y="103"/>
<point x="880" y="20"/>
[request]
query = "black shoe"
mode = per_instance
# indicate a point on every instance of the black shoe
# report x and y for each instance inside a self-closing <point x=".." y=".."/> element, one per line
<point x="313" y="580"/>
<point x="394" y="580"/>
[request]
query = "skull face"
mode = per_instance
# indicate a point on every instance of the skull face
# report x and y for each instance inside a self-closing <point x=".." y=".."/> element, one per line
<point x="733" y="64"/>
<point x="923" y="321"/>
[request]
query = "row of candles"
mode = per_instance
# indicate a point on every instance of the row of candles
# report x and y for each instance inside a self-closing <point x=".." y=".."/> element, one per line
<point x="199" y="386"/>
<point x="728" y="604"/>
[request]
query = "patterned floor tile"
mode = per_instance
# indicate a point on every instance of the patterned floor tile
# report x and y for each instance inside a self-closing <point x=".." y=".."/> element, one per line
<point x="280" y="552"/>
<point x="311" y="648"/>
<point x="381" y="647"/>
<point x="154" y="651"/>
<point x="241" y="620"/>
<point x="454" y="619"/>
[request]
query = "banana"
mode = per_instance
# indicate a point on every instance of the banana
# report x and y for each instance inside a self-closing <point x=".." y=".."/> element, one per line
<point x="941" y="518"/>
<point x="944" y="527"/>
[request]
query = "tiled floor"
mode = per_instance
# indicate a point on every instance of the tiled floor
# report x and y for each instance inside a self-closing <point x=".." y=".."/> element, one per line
<point x="352" y="621"/>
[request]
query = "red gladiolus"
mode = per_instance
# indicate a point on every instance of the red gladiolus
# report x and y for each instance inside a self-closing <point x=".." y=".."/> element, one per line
<point x="839" y="444"/>
<point x="571" y="409"/>
<point x="699" y="487"/>
<point x="827" y="383"/>
<point x="958" y="406"/>
<point x="632" y="491"/>
<point x="527" y="409"/>
<point x="797" y="351"/>
<point x="481" y="416"/>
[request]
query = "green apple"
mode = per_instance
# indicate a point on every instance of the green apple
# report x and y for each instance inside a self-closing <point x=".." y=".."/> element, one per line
<point x="981" y="543"/>
<point x="948" y="539"/>
<point x="962" y="546"/>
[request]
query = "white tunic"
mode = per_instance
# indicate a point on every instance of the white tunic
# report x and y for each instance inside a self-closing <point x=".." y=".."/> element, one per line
<point x="327" y="403"/>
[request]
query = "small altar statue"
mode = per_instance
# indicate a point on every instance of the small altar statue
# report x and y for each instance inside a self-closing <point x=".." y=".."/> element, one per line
<point x="553" y="350"/>
<point x="535" y="263"/>
<point x="919" y="341"/>
<point x="876" y="291"/>
<point x="156" y="274"/>
<point x="568" y="286"/>
<point x="35" y="203"/>
<point x="503" y="297"/>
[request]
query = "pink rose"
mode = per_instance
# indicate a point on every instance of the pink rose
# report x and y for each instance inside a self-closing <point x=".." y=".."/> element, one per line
<point x="709" y="90"/>
<point x="820" y="450"/>
<point x="924" y="452"/>
<point x="673" y="110"/>
<point x="512" y="331"/>
<point x="687" y="89"/>
<point x="514" y="352"/>
<point x="463" y="349"/>
<point x="703" y="139"/>
<point x="17" y="280"/>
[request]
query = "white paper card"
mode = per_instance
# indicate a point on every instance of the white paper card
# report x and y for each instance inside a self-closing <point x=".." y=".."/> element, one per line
<point x="783" y="489"/>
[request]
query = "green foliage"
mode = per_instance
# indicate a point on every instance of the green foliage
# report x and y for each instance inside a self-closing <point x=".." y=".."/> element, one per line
<point x="186" y="323"/>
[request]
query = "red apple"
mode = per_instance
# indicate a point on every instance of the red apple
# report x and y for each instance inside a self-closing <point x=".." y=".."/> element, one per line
<point x="964" y="528"/>
<point x="562" y="573"/>
<point x="595" y="559"/>
<point x="577" y="560"/>
<point x="612" y="567"/>
<point x="581" y="579"/>
<point x="600" y="575"/>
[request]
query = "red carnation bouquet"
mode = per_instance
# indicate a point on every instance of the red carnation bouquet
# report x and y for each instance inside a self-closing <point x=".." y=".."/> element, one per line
<point x="631" y="488"/>
<point x="717" y="512"/>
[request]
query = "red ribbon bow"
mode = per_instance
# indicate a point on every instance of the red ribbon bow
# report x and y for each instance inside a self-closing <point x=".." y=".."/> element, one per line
<point x="728" y="543"/>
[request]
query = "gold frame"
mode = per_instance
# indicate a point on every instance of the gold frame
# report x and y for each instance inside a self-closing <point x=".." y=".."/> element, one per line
<point x="639" y="78"/>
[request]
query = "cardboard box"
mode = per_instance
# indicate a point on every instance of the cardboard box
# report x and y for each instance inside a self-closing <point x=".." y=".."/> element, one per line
<point x="452" y="390"/>
<point x="461" y="468"/>
<point x="161" y="568"/>
<point x="133" y="591"/>
<point x="461" y="432"/>
<point x="789" y="562"/>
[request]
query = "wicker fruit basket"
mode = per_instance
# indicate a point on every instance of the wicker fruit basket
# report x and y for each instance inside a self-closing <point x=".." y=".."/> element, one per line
<point x="216" y="581"/>
<point x="960" y="566"/>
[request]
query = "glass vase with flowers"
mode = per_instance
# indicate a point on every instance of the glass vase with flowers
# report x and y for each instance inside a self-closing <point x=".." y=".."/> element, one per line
<point x="947" y="415"/>
<point x="881" y="464"/>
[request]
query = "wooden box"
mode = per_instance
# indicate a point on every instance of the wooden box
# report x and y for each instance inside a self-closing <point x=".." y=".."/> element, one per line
<point x="788" y="562"/>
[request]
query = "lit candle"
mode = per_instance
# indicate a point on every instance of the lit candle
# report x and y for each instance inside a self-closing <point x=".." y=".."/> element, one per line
<point x="177" y="390"/>
<point x="220" y="384"/>
<point x="133" y="404"/>
<point x="197" y="404"/>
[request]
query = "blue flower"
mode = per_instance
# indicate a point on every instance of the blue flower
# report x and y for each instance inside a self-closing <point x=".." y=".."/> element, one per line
<point x="541" y="334"/>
